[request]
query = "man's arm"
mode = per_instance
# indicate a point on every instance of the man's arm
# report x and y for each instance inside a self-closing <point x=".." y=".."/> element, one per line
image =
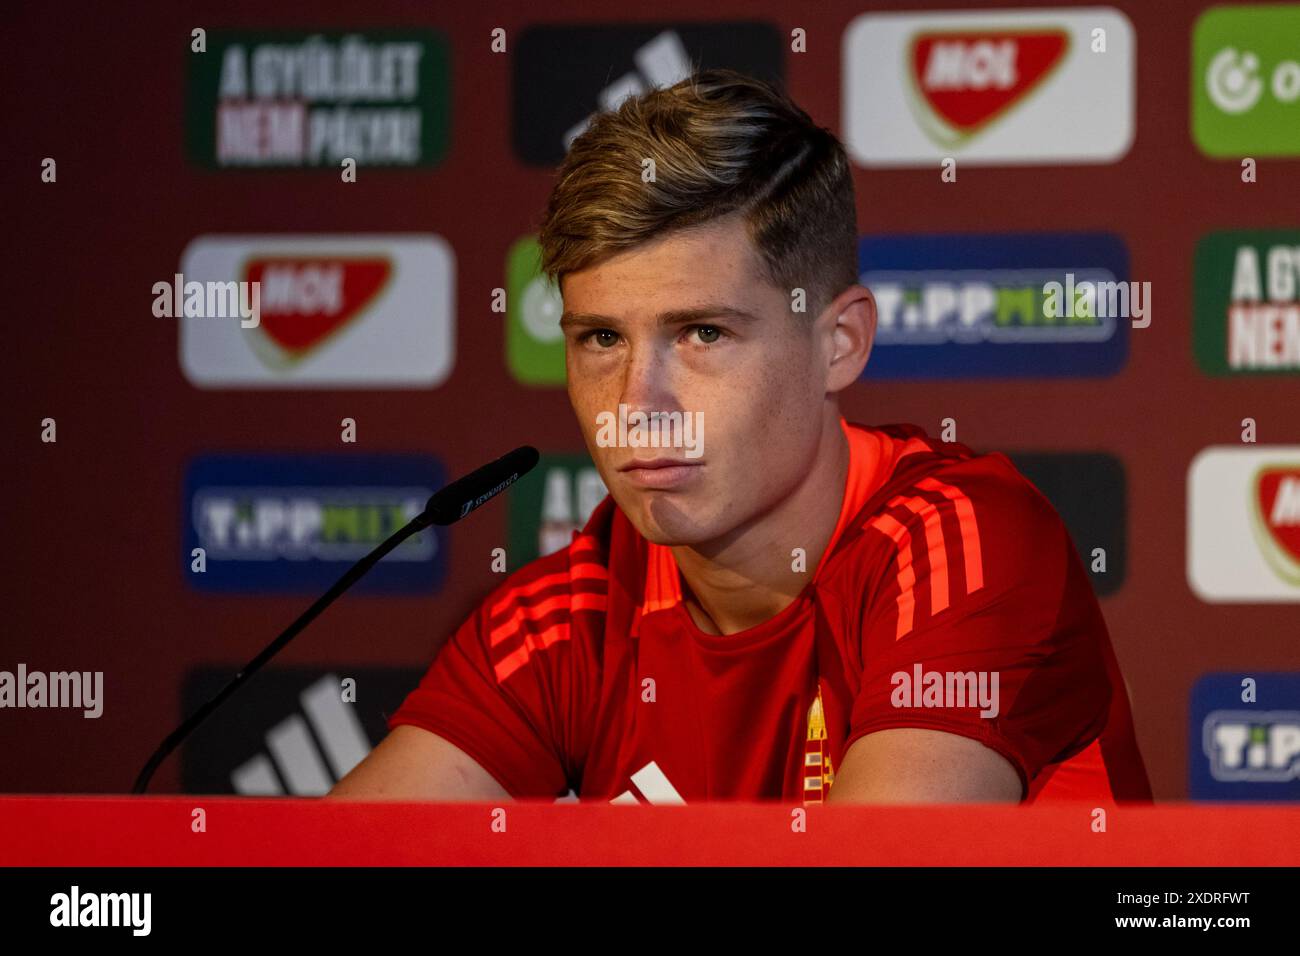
<point x="914" y="765"/>
<point x="981" y="581"/>
<point x="415" y="764"/>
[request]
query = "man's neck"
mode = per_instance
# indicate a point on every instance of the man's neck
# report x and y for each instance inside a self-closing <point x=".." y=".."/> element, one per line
<point x="749" y="576"/>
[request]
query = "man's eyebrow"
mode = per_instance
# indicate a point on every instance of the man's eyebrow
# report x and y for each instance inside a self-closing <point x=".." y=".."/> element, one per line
<point x="671" y="317"/>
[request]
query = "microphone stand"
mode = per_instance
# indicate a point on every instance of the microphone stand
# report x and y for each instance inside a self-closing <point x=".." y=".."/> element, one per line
<point x="350" y="578"/>
<point x="445" y="507"/>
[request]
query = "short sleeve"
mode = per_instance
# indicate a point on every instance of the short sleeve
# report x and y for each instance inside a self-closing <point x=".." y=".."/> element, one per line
<point x="504" y="725"/>
<point x="982" y="621"/>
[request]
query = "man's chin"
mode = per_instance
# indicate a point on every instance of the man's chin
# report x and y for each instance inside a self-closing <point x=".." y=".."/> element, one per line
<point x="669" y="539"/>
<point x="666" y="523"/>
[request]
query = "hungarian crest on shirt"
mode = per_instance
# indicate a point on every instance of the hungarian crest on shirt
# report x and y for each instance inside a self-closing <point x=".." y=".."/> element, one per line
<point x="818" y="773"/>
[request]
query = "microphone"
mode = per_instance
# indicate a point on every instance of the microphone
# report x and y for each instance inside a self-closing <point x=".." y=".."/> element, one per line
<point x="446" y="506"/>
<point x="464" y="495"/>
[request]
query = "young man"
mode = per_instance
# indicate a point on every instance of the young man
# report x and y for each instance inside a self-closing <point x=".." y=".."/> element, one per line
<point x="794" y="608"/>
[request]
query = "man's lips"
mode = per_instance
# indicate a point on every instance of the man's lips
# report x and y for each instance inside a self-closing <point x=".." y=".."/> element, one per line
<point x="660" y="472"/>
<point x="655" y="463"/>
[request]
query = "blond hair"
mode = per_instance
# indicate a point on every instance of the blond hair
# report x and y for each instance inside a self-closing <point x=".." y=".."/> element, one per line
<point x="721" y="142"/>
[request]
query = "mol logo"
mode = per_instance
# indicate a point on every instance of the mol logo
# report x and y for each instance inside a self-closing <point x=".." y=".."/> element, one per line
<point x="336" y="312"/>
<point x="1277" y="519"/>
<point x="965" y="81"/>
<point x="1243" y="523"/>
<point x="989" y="87"/>
<point x="1261" y="746"/>
<point x="305" y="300"/>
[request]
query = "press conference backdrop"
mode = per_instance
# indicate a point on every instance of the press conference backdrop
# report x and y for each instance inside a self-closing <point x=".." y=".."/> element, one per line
<point x="181" y="487"/>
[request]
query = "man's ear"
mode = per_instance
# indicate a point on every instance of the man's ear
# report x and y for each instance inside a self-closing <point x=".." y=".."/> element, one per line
<point x="852" y="319"/>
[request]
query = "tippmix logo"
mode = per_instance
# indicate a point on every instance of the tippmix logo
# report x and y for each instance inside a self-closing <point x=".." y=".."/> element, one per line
<point x="293" y="524"/>
<point x="1244" y="739"/>
<point x="997" y="305"/>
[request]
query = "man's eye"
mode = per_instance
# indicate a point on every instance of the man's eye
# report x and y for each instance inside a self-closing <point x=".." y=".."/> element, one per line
<point x="602" y="337"/>
<point x="708" y="333"/>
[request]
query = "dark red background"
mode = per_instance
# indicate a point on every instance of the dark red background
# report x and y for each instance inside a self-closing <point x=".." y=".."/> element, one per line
<point x="91" y="533"/>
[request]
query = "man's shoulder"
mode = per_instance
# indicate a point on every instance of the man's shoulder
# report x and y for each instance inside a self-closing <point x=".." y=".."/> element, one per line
<point x="581" y="566"/>
<point x="556" y="601"/>
<point x="953" y="544"/>
<point x="934" y="469"/>
<point x="555" y="585"/>
<point x="945" y="494"/>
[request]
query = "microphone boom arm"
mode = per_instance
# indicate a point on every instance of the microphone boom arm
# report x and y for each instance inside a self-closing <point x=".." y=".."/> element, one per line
<point x="350" y="577"/>
<point x="446" y="506"/>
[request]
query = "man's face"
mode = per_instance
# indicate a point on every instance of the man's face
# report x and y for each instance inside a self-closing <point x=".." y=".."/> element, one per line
<point x="754" y="382"/>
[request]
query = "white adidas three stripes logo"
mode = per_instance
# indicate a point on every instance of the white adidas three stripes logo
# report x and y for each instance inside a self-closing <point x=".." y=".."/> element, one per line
<point x="307" y="765"/>
<point x="300" y="766"/>
<point x="653" y="785"/>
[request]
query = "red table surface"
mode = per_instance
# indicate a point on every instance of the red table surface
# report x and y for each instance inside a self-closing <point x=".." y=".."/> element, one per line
<point x="156" y="831"/>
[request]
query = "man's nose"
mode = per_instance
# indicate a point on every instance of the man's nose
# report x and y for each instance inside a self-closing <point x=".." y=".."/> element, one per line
<point x="646" y="379"/>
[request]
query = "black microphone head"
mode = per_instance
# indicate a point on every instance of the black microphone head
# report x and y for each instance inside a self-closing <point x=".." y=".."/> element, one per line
<point x="448" y="505"/>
